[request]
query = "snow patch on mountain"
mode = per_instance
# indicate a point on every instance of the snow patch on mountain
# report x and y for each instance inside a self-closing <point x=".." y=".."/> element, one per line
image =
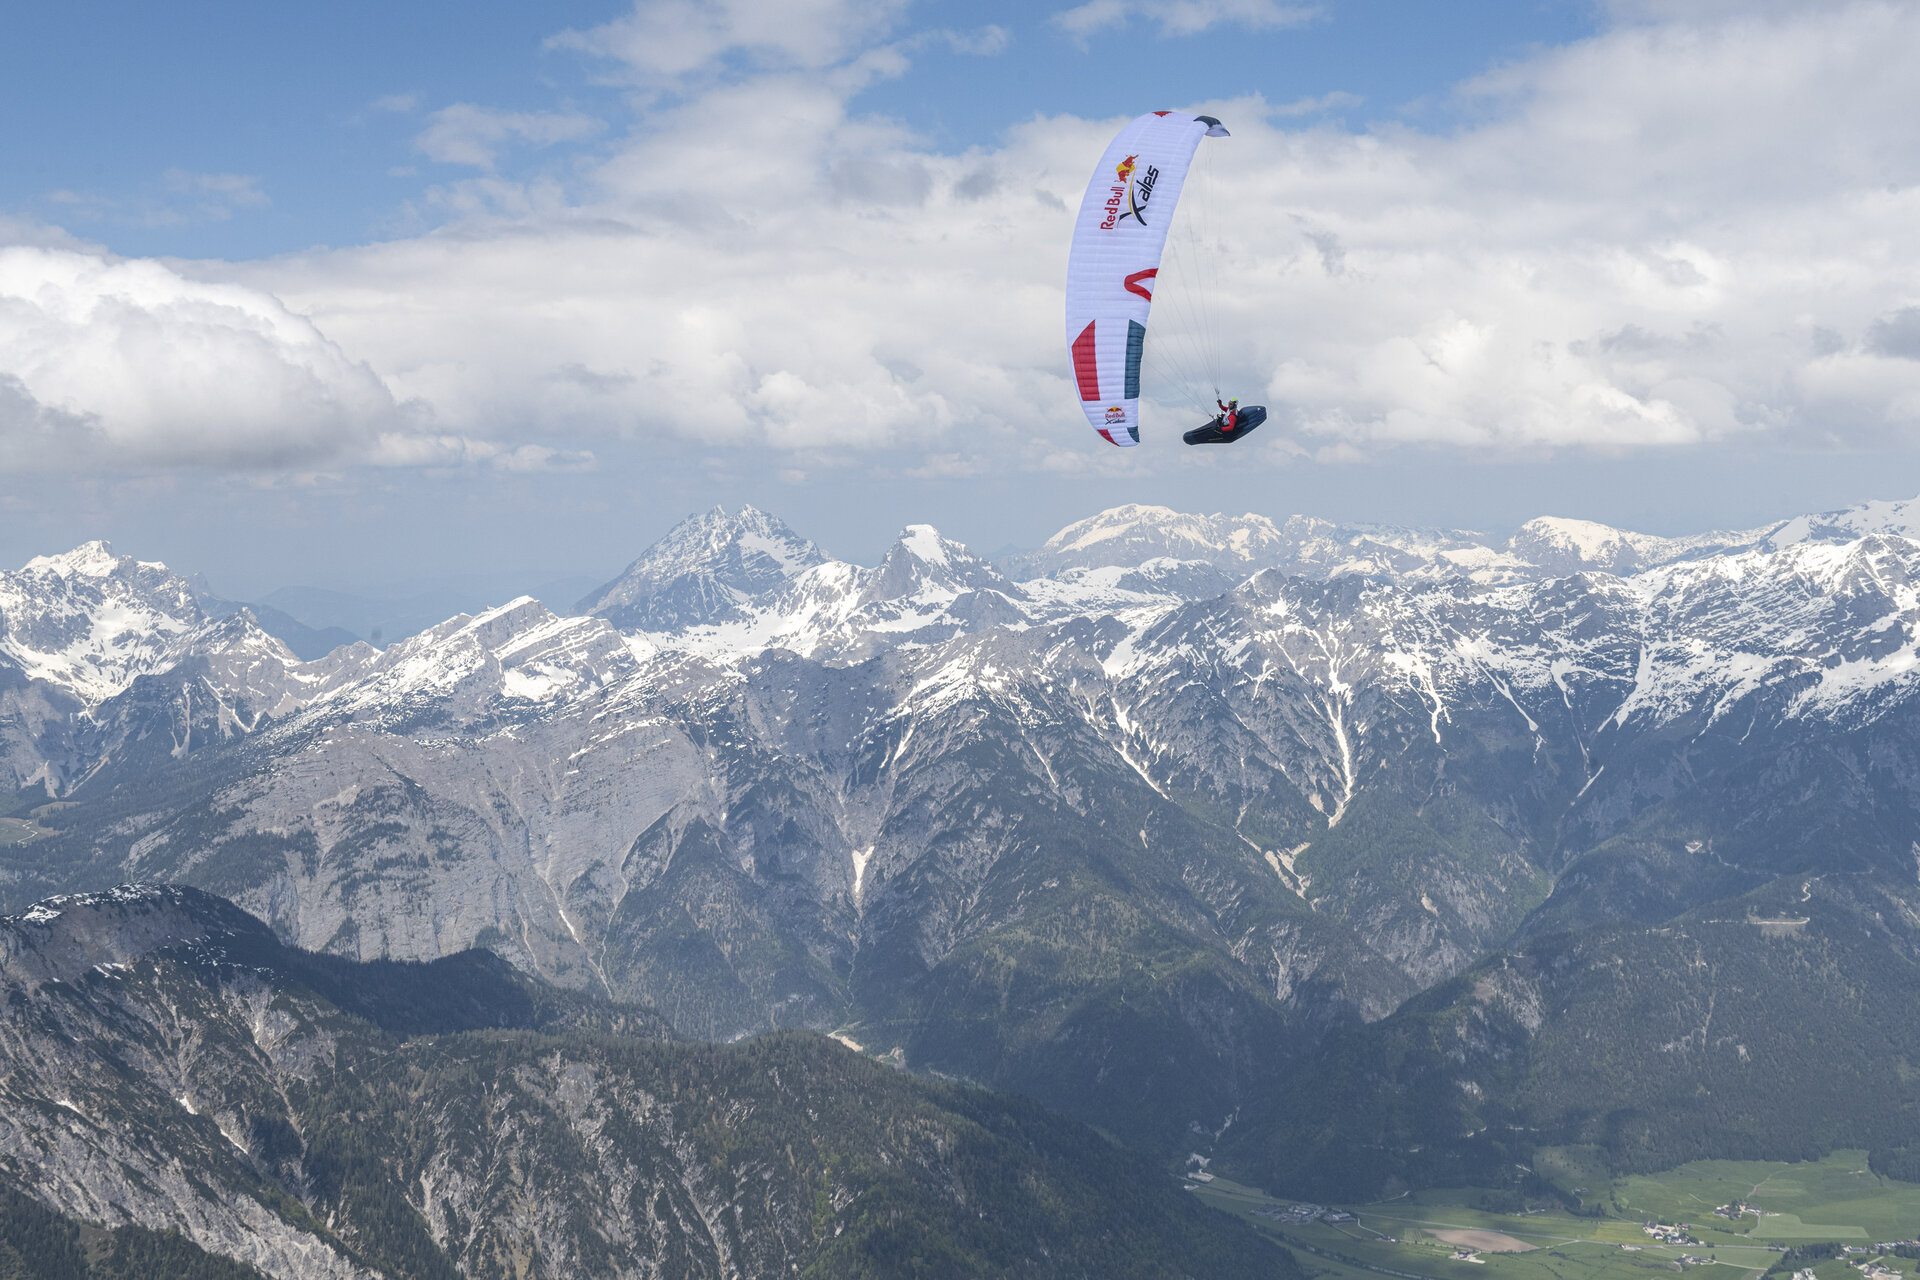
<point x="924" y="542"/>
<point x="1900" y="519"/>
<point x="519" y="652"/>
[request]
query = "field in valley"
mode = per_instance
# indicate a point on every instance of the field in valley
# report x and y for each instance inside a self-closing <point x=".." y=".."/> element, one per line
<point x="1443" y="1235"/>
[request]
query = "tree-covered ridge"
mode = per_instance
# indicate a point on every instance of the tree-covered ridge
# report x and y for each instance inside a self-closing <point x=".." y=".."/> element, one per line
<point x="1777" y="1025"/>
<point x="166" y="1063"/>
<point x="808" y="1155"/>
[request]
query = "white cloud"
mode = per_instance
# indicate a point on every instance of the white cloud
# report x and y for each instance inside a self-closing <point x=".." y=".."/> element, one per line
<point x="214" y="196"/>
<point x="471" y="135"/>
<point x="421" y="449"/>
<point x="767" y="289"/>
<point x="664" y="40"/>
<point x="179" y="197"/>
<point x="1184" y="17"/>
<point x="1315" y="105"/>
<point x="1698" y="230"/>
<point x="539" y="457"/>
<point x="443" y="451"/>
<point x="28" y="231"/>
<point x="111" y="363"/>
<point x="981" y="42"/>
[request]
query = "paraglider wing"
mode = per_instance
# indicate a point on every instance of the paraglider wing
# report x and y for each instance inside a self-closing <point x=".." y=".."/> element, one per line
<point x="1117" y="243"/>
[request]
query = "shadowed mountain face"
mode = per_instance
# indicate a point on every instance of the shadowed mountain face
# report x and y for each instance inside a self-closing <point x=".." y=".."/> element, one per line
<point x="1777" y="1024"/>
<point x="167" y="1065"/>
<point x="1140" y="839"/>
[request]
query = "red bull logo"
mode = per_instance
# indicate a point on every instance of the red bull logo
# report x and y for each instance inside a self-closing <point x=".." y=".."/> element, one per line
<point x="1115" y="414"/>
<point x="1127" y="198"/>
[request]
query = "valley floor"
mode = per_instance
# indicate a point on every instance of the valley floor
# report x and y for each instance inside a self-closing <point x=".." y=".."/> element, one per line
<point x="1450" y="1235"/>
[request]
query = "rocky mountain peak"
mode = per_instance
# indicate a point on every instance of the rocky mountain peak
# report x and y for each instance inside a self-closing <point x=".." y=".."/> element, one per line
<point x="88" y="560"/>
<point x="922" y="563"/>
<point x="93" y="567"/>
<point x="704" y="570"/>
<point x="1559" y="545"/>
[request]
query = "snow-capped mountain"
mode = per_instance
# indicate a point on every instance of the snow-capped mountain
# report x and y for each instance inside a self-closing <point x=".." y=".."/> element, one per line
<point x="1134" y="535"/>
<point x="1899" y="519"/>
<point x="88" y="634"/>
<point x="519" y="653"/>
<point x="1549" y="546"/>
<point x="89" y="622"/>
<point x="703" y="570"/>
<point x="926" y="589"/>
<point x="1127" y="536"/>
<point x="1317" y="769"/>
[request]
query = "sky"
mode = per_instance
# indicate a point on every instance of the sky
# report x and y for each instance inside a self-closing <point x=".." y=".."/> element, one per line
<point x="372" y="297"/>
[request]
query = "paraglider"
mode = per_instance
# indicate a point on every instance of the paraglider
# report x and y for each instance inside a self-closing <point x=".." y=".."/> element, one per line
<point x="1113" y="270"/>
<point x="1227" y="426"/>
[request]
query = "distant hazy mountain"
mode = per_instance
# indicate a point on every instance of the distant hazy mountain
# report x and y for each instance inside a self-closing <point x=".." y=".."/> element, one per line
<point x="1550" y="546"/>
<point x="169" y="1065"/>
<point x="307" y="643"/>
<point x="1140" y="825"/>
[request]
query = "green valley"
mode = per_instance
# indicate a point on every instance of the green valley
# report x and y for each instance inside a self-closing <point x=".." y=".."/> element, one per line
<point x="1738" y="1216"/>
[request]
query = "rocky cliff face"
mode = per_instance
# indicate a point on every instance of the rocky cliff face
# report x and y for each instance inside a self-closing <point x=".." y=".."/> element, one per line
<point x="106" y="1052"/>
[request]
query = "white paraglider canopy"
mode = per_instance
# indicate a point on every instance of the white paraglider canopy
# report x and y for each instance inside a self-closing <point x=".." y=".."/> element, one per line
<point x="1112" y="270"/>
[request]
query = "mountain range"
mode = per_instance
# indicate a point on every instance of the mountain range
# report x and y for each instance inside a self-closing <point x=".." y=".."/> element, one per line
<point x="1217" y="832"/>
<point x="171" y="1066"/>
